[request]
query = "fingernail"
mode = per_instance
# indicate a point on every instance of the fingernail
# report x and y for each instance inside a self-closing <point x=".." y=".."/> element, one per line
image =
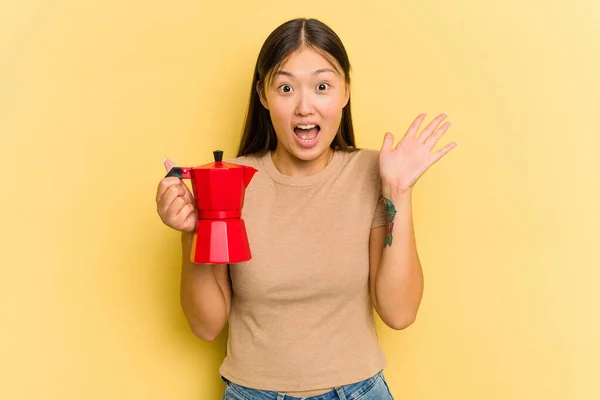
<point x="165" y="159"/>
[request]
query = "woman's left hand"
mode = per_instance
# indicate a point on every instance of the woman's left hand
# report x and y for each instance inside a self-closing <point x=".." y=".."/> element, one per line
<point x="400" y="167"/>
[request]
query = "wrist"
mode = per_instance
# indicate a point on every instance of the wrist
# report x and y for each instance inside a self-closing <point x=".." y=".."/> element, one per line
<point x="395" y="194"/>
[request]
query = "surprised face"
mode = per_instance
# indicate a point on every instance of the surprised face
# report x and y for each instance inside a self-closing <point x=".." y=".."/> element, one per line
<point x="305" y="100"/>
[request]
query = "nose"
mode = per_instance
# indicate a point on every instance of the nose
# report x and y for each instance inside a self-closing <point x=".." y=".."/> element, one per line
<point x="305" y="105"/>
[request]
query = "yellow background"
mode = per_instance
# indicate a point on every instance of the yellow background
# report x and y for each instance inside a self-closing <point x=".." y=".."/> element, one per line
<point x="95" y="93"/>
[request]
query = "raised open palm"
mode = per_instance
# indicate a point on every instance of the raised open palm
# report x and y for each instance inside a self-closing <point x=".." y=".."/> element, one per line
<point x="401" y="166"/>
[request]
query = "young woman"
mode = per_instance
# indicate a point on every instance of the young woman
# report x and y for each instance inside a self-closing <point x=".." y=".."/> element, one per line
<point x="329" y="225"/>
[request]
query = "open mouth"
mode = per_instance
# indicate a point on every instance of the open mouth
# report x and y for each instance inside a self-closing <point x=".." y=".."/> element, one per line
<point x="307" y="134"/>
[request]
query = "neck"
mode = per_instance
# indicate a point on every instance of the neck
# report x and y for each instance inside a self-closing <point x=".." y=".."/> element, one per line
<point x="292" y="166"/>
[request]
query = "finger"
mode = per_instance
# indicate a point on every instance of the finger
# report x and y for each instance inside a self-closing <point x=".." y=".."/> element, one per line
<point x="444" y="150"/>
<point x="168" y="164"/>
<point x="414" y="127"/>
<point x="431" y="127"/>
<point x="433" y="138"/>
<point x="190" y="222"/>
<point x="166" y="202"/>
<point x="186" y="218"/>
<point x="388" y="141"/>
<point x="188" y="194"/>
<point x="164" y="185"/>
<point x="174" y="208"/>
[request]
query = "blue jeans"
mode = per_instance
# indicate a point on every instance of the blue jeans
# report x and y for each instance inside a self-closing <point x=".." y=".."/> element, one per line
<point x="373" y="388"/>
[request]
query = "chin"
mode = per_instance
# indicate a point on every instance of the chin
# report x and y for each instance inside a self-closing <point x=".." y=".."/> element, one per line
<point x="309" y="154"/>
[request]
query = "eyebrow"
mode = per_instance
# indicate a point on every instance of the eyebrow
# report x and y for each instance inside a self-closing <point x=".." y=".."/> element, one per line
<point x="317" y="72"/>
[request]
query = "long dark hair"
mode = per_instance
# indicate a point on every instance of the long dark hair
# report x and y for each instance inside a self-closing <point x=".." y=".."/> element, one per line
<point x="259" y="135"/>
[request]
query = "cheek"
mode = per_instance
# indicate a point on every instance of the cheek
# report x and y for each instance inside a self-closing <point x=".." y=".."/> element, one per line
<point x="280" y="113"/>
<point x="331" y="109"/>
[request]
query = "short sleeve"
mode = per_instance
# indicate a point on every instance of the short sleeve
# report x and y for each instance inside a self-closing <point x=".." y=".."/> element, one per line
<point x="380" y="216"/>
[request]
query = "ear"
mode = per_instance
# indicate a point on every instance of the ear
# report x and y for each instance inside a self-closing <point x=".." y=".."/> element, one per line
<point x="347" y="95"/>
<point x="261" y="96"/>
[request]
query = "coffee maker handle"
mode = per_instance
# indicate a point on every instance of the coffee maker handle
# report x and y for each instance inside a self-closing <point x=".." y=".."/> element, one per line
<point x="179" y="172"/>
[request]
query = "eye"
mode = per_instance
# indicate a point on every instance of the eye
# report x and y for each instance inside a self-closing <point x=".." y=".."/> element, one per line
<point x="285" y="88"/>
<point x="322" y="86"/>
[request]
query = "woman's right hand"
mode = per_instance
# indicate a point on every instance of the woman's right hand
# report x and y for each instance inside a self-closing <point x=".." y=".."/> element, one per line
<point x="175" y="203"/>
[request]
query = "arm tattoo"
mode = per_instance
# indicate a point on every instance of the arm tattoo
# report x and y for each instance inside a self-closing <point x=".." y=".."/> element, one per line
<point x="391" y="213"/>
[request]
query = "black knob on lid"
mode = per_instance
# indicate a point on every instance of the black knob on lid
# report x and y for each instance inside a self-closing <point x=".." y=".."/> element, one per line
<point x="218" y="155"/>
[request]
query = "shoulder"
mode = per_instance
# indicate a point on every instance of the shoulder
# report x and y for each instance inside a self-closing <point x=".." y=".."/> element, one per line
<point x="361" y="169"/>
<point x="366" y="156"/>
<point x="362" y="160"/>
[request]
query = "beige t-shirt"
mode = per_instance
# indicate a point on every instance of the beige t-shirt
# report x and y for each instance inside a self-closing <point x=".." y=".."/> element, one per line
<point x="301" y="315"/>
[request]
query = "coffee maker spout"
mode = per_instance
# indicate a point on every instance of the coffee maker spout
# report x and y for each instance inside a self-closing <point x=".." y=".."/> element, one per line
<point x="248" y="174"/>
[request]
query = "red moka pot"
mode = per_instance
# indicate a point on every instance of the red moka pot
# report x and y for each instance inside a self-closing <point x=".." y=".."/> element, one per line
<point x="219" y="189"/>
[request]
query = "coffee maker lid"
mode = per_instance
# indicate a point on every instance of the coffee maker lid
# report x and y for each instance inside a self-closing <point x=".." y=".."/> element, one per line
<point x="218" y="163"/>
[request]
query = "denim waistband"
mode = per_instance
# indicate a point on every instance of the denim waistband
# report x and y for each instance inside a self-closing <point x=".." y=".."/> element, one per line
<point x="345" y="392"/>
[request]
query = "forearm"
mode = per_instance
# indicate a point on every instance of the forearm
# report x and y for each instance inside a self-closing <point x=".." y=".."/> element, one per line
<point x="399" y="281"/>
<point x="202" y="299"/>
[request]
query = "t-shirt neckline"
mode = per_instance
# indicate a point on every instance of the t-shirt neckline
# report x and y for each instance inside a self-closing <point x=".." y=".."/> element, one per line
<point x="310" y="180"/>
